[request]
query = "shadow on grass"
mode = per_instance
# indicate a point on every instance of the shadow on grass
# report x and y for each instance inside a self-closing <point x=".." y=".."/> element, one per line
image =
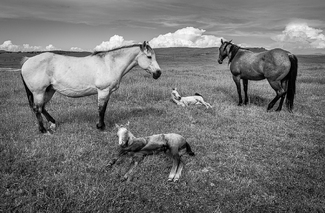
<point x="122" y="115"/>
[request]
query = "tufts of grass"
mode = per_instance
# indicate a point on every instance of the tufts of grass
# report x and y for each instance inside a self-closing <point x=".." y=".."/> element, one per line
<point x="247" y="159"/>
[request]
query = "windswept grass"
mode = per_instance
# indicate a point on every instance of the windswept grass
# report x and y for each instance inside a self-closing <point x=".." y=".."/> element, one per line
<point x="247" y="159"/>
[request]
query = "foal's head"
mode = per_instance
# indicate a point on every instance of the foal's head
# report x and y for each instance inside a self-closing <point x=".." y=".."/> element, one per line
<point x="147" y="60"/>
<point x="223" y="52"/>
<point x="123" y="134"/>
<point x="175" y="94"/>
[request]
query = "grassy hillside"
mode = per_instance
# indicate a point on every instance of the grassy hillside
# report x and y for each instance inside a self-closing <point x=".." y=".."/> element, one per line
<point x="247" y="159"/>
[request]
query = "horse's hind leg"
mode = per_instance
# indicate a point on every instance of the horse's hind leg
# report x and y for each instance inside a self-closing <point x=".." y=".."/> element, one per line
<point x="280" y="93"/>
<point x="37" y="108"/>
<point x="245" y="83"/>
<point x="47" y="97"/>
<point x="237" y="82"/>
<point x="284" y="85"/>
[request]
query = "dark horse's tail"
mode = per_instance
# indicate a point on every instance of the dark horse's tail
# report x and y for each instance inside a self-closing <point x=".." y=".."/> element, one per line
<point x="292" y="76"/>
<point x="198" y="94"/>
<point x="188" y="149"/>
<point x="29" y="93"/>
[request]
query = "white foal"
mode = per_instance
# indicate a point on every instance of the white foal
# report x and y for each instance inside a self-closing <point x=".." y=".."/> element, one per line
<point x="197" y="99"/>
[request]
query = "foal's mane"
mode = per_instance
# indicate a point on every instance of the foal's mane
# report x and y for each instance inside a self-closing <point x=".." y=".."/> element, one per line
<point x="104" y="52"/>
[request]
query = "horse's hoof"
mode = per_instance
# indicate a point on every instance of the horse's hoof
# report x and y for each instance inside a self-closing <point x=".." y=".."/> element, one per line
<point x="175" y="180"/>
<point x="52" y="127"/>
<point x="100" y="126"/>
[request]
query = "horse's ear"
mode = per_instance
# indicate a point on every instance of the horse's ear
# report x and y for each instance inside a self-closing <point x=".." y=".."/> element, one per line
<point x="230" y="41"/>
<point x="221" y="41"/>
<point x="144" y="46"/>
<point x="117" y="126"/>
<point x="128" y="123"/>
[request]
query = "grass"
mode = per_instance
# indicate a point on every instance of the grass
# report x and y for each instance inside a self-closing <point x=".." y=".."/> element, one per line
<point x="247" y="159"/>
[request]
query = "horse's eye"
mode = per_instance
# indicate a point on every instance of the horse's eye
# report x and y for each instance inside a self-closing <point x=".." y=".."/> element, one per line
<point x="149" y="56"/>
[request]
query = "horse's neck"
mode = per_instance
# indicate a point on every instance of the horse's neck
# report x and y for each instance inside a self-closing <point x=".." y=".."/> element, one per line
<point x="123" y="60"/>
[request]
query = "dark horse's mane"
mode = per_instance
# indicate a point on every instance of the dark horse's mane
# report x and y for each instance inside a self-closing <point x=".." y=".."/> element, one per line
<point x="104" y="52"/>
<point x="233" y="50"/>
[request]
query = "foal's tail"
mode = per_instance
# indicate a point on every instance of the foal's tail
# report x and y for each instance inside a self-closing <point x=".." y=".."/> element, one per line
<point x="292" y="76"/>
<point x="198" y="94"/>
<point x="188" y="149"/>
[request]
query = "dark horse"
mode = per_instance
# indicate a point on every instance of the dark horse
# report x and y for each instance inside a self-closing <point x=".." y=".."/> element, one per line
<point x="278" y="66"/>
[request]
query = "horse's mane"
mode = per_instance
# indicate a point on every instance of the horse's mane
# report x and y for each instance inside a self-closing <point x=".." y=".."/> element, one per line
<point x="233" y="50"/>
<point x="104" y="52"/>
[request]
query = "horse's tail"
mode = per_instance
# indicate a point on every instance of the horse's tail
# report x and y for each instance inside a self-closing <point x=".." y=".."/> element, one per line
<point x="188" y="149"/>
<point x="292" y="77"/>
<point x="198" y="94"/>
<point x="29" y="93"/>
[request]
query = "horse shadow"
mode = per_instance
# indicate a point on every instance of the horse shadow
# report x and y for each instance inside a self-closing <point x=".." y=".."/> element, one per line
<point x="253" y="98"/>
<point x="258" y="100"/>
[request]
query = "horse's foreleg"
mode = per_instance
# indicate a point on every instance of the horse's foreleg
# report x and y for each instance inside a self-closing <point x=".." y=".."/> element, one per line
<point x="237" y="82"/>
<point x="103" y="97"/>
<point x="245" y="83"/>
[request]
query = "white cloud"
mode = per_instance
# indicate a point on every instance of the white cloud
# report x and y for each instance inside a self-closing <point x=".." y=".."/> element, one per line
<point x="301" y="36"/>
<point x="76" y="49"/>
<point x="9" y="46"/>
<point x="186" y="37"/>
<point x="114" y="42"/>
<point x="50" y="47"/>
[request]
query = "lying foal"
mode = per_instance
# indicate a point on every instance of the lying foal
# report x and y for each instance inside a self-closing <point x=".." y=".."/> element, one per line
<point x="185" y="101"/>
<point x="143" y="146"/>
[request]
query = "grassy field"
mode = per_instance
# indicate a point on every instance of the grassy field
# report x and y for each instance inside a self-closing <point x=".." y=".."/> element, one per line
<point x="247" y="159"/>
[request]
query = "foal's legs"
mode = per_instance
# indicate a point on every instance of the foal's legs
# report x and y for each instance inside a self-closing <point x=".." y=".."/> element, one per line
<point x="103" y="98"/>
<point x="179" y="171"/>
<point x="280" y="93"/>
<point x="237" y="82"/>
<point x="176" y="161"/>
<point x="245" y="82"/>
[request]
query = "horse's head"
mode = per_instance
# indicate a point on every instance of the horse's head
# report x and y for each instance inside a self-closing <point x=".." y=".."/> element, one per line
<point x="175" y="94"/>
<point x="223" y="51"/>
<point x="124" y="135"/>
<point x="147" y="60"/>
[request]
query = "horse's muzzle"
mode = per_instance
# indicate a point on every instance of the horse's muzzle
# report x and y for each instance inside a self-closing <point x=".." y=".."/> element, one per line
<point x="156" y="74"/>
<point x="219" y="61"/>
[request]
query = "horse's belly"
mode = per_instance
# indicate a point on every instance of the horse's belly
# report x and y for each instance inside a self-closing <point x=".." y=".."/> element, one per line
<point x="75" y="92"/>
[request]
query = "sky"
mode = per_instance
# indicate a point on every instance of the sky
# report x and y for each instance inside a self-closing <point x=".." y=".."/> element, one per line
<point x="89" y="25"/>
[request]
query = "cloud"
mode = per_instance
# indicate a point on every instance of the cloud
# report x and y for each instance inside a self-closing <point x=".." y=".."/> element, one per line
<point x="50" y="47"/>
<point x="301" y="36"/>
<point x="186" y="37"/>
<point x="76" y="49"/>
<point x="9" y="46"/>
<point x="114" y="41"/>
